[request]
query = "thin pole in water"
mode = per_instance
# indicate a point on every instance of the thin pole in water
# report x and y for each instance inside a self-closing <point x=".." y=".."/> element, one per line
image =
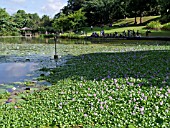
<point x="55" y="40"/>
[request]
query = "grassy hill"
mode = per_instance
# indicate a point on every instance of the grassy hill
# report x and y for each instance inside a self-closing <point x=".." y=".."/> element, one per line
<point x="128" y="24"/>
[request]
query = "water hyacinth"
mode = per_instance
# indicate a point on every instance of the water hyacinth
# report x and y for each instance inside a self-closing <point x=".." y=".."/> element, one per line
<point x="96" y="89"/>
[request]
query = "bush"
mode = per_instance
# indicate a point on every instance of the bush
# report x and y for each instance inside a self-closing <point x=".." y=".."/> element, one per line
<point x="154" y="25"/>
<point x="49" y="36"/>
<point x="15" y="34"/>
<point x="71" y="36"/>
<point x="166" y="26"/>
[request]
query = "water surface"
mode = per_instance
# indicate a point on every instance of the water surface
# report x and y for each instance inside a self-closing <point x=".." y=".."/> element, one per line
<point x="15" y="72"/>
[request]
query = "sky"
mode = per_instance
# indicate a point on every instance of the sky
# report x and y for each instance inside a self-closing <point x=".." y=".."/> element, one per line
<point x="42" y="7"/>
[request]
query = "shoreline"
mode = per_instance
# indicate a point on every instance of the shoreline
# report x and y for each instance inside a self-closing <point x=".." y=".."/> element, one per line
<point x="161" y="38"/>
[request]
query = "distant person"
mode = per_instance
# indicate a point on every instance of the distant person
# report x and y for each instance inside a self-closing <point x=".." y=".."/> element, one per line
<point x="138" y="34"/>
<point x="147" y="32"/>
<point x="91" y="27"/>
<point x="116" y="34"/>
<point x="124" y="33"/>
<point x="133" y="32"/>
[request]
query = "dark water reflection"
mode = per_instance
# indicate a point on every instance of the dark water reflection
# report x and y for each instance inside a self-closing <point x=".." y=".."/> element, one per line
<point x="116" y="42"/>
<point x="15" y="72"/>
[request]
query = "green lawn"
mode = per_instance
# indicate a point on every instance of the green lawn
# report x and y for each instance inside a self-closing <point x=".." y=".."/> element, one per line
<point x="118" y="28"/>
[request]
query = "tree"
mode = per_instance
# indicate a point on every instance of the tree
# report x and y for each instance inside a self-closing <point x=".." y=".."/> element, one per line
<point x="21" y="18"/>
<point x="140" y="7"/>
<point x="165" y="10"/>
<point x="33" y="21"/>
<point x="70" y="22"/>
<point x="7" y="26"/>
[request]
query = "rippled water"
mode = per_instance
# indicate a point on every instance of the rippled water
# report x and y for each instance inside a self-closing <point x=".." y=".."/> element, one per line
<point x="15" y="72"/>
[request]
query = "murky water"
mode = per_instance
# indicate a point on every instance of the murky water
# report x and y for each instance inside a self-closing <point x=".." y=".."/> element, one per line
<point x="15" y="72"/>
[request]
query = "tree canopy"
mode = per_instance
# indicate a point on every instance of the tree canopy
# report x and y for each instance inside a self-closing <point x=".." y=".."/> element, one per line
<point x="79" y="13"/>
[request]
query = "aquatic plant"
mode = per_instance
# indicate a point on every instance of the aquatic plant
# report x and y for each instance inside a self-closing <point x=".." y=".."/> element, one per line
<point x="101" y="86"/>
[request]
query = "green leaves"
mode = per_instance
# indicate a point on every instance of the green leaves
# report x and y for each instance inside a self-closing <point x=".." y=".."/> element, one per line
<point x="70" y="22"/>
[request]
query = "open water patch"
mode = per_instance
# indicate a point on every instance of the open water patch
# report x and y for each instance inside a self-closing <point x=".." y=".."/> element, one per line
<point x="14" y="72"/>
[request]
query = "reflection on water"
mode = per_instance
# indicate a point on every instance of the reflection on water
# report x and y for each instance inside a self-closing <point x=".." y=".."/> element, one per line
<point x="14" y="72"/>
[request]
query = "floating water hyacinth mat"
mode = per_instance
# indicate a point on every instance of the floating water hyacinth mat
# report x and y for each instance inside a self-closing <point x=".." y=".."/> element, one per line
<point x="123" y="89"/>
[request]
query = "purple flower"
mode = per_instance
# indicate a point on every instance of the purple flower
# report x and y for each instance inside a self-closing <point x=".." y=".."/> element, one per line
<point x="101" y="107"/>
<point x="89" y="94"/>
<point x="101" y="103"/>
<point x="85" y="115"/>
<point x="142" y="112"/>
<point x="108" y="77"/>
<point x="142" y="109"/>
<point x="169" y="91"/>
<point x="143" y="95"/>
<point x="110" y="98"/>
<point x="133" y="113"/>
<point x="95" y="113"/>
<point x="94" y="95"/>
<point x="161" y="103"/>
<point x="115" y="81"/>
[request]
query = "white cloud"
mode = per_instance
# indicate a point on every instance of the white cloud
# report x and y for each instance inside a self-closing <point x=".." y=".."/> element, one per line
<point x="53" y="6"/>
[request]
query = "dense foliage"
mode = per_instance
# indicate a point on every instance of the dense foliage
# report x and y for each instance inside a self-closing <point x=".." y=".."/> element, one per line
<point x="154" y="25"/>
<point x="166" y="26"/>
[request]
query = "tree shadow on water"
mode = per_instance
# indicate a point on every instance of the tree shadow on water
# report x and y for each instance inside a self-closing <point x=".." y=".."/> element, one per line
<point x="152" y="67"/>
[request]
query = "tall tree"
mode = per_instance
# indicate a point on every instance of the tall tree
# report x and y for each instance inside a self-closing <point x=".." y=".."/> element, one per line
<point x="34" y="21"/>
<point x="21" y="18"/>
<point x="70" y="22"/>
<point x="7" y="26"/>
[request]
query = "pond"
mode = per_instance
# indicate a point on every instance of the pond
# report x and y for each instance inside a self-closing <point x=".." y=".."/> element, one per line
<point x="20" y="58"/>
<point x="14" y="72"/>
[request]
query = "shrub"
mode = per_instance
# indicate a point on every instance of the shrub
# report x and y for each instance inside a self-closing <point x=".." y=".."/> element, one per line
<point x="166" y="26"/>
<point x="154" y="25"/>
<point x="71" y="36"/>
<point x="15" y="34"/>
<point x="48" y="36"/>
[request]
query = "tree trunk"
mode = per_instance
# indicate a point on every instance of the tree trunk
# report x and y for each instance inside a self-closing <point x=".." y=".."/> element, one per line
<point x="141" y="16"/>
<point x="140" y="19"/>
<point x="135" y="20"/>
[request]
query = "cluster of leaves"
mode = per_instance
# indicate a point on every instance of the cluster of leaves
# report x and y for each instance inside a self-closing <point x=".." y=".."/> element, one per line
<point x="118" y="89"/>
<point x="72" y="21"/>
<point x="166" y="26"/>
<point x="71" y="35"/>
<point x="154" y="25"/>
